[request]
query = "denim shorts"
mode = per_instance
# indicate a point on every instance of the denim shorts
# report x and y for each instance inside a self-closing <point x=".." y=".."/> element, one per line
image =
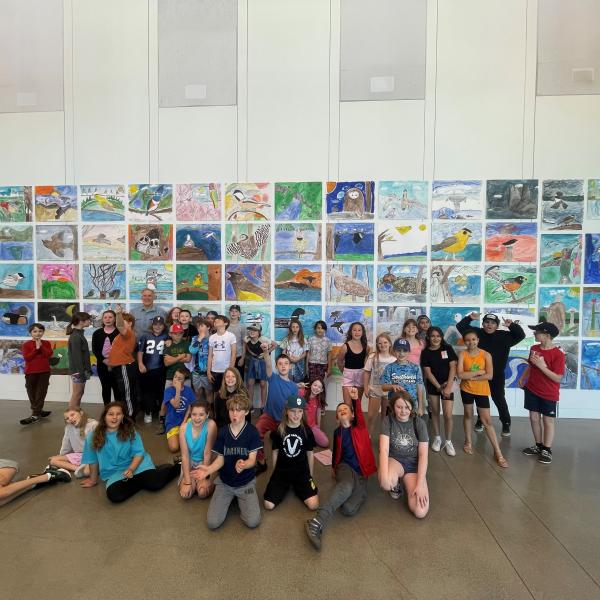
<point x="256" y="369"/>
<point x="78" y="378"/>
<point x="201" y="381"/>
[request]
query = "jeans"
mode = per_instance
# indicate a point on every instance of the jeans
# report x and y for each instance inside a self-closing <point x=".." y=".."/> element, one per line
<point x="222" y="498"/>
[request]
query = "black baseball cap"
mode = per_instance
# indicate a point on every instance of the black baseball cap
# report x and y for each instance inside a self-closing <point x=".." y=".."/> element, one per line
<point x="491" y="317"/>
<point x="158" y="320"/>
<point x="235" y="307"/>
<point x="545" y="327"/>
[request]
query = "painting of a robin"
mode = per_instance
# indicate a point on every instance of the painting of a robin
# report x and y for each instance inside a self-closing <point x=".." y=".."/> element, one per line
<point x="511" y="285"/>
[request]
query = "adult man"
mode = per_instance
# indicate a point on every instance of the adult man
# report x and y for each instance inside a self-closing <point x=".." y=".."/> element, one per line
<point x="498" y="344"/>
<point x="146" y="312"/>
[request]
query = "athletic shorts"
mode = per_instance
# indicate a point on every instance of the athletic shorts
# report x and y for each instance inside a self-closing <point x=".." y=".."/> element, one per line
<point x="173" y="431"/>
<point x="200" y="380"/>
<point x="278" y="487"/>
<point x="434" y="392"/>
<point x="536" y="403"/>
<point x="410" y="465"/>
<point x="481" y="401"/>
<point x="353" y="378"/>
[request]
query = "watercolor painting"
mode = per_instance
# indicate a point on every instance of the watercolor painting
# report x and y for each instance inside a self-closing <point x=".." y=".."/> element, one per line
<point x="446" y="317"/>
<point x="562" y="204"/>
<point x="150" y="203"/>
<point x="458" y="199"/>
<point x="56" y="242"/>
<point x="297" y="283"/>
<point x="198" y="202"/>
<point x="512" y="199"/>
<point x="350" y="241"/>
<point x="571" y="350"/>
<point x="506" y="284"/>
<point x="403" y="200"/>
<point x="15" y="204"/>
<point x="198" y="243"/>
<point x="198" y="282"/>
<point x="390" y="319"/>
<point x="349" y="283"/>
<point x="560" y="306"/>
<point x="347" y="200"/>
<point x="517" y="363"/>
<point x="150" y="242"/>
<point x="55" y="203"/>
<point x="248" y="202"/>
<point x="593" y="199"/>
<point x="592" y="258"/>
<point x="560" y="258"/>
<point x="155" y="276"/>
<point x="16" y="280"/>
<point x="307" y="315"/>
<point x="247" y="241"/>
<point x="199" y="309"/>
<point x="590" y="366"/>
<point x="103" y="202"/>
<point x="59" y="361"/>
<point x="104" y="242"/>
<point x="522" y="315"/>
<point x="104" y="281"/>
<point x="298" y="241"/>
<point x="591" y="312"/>
<point x="11" y="357"/>
<point x="95" y="310"/>
<point x="15" y="318"/>
<point x="248" y="283"/>
<point x="450" y="284"/>
<point x="55" y="316"/>
<point x="298" y="201"/>
<point x="257" y="314"/>
<point x="403" y="243"/>
<point x="402" y="283"/>
<point x="511" y="242"/>
<point x="450" y="241"/>
<point x="339" y="319"/>
<point x="16" y="242"/>
<point x="58" y="281"/>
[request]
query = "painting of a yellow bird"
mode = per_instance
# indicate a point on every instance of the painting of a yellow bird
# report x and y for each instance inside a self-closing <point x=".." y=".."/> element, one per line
<point x="455" y="243"/>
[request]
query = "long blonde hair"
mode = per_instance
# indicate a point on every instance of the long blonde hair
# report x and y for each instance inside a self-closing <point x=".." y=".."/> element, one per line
<point x="284" y="419"/>
<point x="83" y="419"/>
<point x="385" y="336"/>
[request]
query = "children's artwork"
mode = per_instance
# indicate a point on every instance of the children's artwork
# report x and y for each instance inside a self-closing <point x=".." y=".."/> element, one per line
<point x="55" y="316"/>
<point x="257" y="314"/>
<point x="349" y="283"/>
<point x="199" y="309"/>
<point x="350" y="200"/>
<point x="151" y="242"/>
<point x="105" y="281"/>
<point x="505" y="284"/>
<point x="248" y="283"/>
<point x="150" y="203"/>
<point x="56" y="242"/>
<point x="95" y="310"/>
<point x="590" y="366"/>
<point x="248" y="202"/>
<point x="155" y="276"/>
<point x="298" y="241"/>
<point x="390" y="319"/>
<point x="562" y="204"/>
<point x="11" y="357"/>
<point x="307" y="315"/>
<point x="103" y="202"/>
<point x="297" y="283"/>
<point x="511" y="242"/>
<point x="512" y="199"/>
<point x="16" y="280"/>
<point x="15" y="203"/>
<point x="15" y="318"/>
<point x="456" y="199"/>
<point x="298" y="201"/>
<point x="198" y="282"/>
<point x="592" y="258"/>
<point x="403" y="199"/>
<point x="560" y="258"/>
<point x="450" y="241"/>
<point x="521" y="315"/>
<point x="247" y="241"/>
<point x="403" y="243"/>
<point x="55" y="203"/>
<point x="198" y="202"/>
<point x="350" y="241"/>
<point x="591" y="312"/>
<point x="560" y="306"/>
<point x="402" y="283"/>
<point x="593" y="199"/>
<point x="58" y="281"/>
<point x="517" y="363"/>
<point x="59" y="361"/>
<point x="450" y="284"/>
<point x="571" y="350"/>
<point x="16" y="242"/>
<point x="198" y="243"/>
<point x="340" y="318"/>
<point x="446" y="317"/>
<point x="104" y="242"/>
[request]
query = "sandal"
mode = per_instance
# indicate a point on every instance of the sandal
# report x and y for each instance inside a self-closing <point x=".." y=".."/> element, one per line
<point x="468" y="448"/>
<point x="502" y="462"/>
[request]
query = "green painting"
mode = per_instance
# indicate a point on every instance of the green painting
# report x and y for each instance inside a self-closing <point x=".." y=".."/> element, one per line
<point x="198" y="282"/>
<point x="298" y="201"/>
<point x="509" y="285"/>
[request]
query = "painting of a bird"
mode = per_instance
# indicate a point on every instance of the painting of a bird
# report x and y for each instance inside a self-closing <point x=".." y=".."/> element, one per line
<point x="511" y="285"/>
<point x="248" y="246"/>
<point x="245" y="289"/>
<point x="454" y="244"/>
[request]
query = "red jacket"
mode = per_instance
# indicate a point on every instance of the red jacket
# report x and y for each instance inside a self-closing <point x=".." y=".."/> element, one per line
<point x="360" y="440"/>
<point x="36" y="360"/>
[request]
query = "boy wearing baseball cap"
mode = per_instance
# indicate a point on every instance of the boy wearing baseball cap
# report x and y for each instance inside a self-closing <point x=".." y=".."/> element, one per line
<point x="541" y="383"/>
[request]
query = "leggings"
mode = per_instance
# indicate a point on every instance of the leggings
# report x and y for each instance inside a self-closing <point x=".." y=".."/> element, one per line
<point x="151" y="480"/>
<point x="108" y="383"/>
<point x="152" y="388"/>
<point x="126" y="377"/>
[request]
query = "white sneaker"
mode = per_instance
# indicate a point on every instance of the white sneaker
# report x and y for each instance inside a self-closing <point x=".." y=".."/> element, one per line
<point x="436" y="445"/>
<point x="449" y="446"/>
<point x="148" y="418"/>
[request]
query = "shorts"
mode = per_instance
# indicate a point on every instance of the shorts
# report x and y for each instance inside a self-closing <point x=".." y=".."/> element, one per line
<point x="480" y="401"/>
<point x="278" y="487"/>
<point x="255" y="369"/>
<point x="78" y="378"/>
<point x="410" y="465"/>
<point x="352" y="378"/>
<point x="193" y="465"/>
<point x="6" y="463"/>
<point x="74" y="458"/>
<point x="431" y="391"/>
<point x="173" y="431"/>
<point x="200" y="380"/>
<point x="536" y="403"/>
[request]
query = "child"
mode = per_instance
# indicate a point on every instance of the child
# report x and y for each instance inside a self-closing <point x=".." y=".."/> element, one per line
<point x="252" y="359"/>
<point x="403" y="448"/>
<point x="239" y="330"/>
<point x="316" y="392"/>
<point x="77" y="426"/>
<point x="318" y="356"/>
<point x="423" y="325"/>
<point x="177" y="398"/>
<point x="541" y="382"/>
<point x="439" y="361"/>
<point x="222" y="349"/>
<point x="475" y="370"/>
<point x="294" y="346"/>
<point x="9" y="489"/>
<point x="236" y="447"/>
<point x="102" y="340"/>
<point x="185" y="320"/>
<point x="210" y="316"/>
<point x="173" y="316"/>
<point x="114" y="450"/>
<point x="403" y="375"/>
<point x="293" y="461"/>
<point x="199" y="351"/>
<point x="351" y="360"/>
<point x="36" y="354"/>
<point x="410" y="332"/>
<point x="353" y="462"/>
<point x="80" y="367"/>
<point x="373" y="371"/>
<point x="151" y="366"/>
<point x="196" y="439"/>
<point x="231" y="385"/>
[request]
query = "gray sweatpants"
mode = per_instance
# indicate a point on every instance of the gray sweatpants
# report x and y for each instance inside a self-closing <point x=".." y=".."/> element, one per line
<point x="222" y="498"/>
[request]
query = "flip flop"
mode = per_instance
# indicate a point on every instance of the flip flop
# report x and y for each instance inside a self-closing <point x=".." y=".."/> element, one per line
<point x="468" y="448"/>
<point x="502" y="462"/>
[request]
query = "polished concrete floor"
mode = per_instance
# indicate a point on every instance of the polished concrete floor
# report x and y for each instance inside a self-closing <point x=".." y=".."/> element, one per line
<point x="531" y="531"/>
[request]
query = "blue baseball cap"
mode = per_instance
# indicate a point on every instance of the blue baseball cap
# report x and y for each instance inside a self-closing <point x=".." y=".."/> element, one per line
<point x="402" y="344"/>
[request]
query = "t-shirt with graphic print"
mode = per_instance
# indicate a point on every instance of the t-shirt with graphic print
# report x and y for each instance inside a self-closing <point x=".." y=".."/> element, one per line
<point x="233" y="448"/>
<point x="403" y="441"/>
<point x="319" y="348"/>
<point x="221" y="351"/>
<point x="408" y="375"/>
<point x="376" y="368"/>
<point x="292" y="461"/>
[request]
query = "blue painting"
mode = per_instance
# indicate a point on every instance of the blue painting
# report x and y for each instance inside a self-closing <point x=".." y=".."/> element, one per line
<point x="397" y="242"/>
<point x="257" y="314"/>
<point x="105" y="281"/>
<point x="590" y="366"/>
<point x="456" y="199"/>
<point x="15" y="318"/>
<point x="155" y="276"/>
<point x="350" y="200"/>
<point x="298" y="283"/>
<point x="402" y="283"/>
<point x="16" y="280"/>
<point x="593" y="199"/>
<point x="450" y="241"/>
<point x="350" y="241"/>
<point x="198" y="243"/>
<point x="298" y="241"/>
<point x="591" y="272"/>
<point x="11" y="357"/>
<point x="446" y="317"/>
<point x="516" y="364"/>
<point x="390" y="319"/>
<point x="560" y="306"/>
<point x="453" y="284"/>
<point x="308" y="315"/>
<point x="562" y="204"/>
<point x="340" y="318"/>
<point x="403" y="199"/>
<point x="16" y="242"/>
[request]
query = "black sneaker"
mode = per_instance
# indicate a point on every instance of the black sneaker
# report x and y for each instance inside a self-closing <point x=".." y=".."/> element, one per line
<point x="45" y="413"/>
<point x="545" y="457"/>
<point x="478" y="426"/>
<point x="177" y="460"/>
<point x="260" y="468"/>
<point x="314" y="530"/>
<point x="58" y="474"/>
<point x="531" y="451"/>
<point x="397" y="491"/>
<point x="29" y="420"/>
<point x="505" y="430"/>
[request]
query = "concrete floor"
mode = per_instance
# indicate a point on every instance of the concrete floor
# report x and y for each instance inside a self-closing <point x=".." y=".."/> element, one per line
<point x="530" y="531"/>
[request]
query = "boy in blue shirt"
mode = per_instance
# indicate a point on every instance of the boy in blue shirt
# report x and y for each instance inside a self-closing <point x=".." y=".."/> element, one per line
<point x="177" y="399"/>
<point x="199" y="351"/>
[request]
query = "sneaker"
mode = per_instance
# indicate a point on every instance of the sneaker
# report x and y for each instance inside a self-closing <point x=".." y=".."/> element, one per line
<point x="260" y="468"/>
<point x="58" y="474"/>
<point x="80" y="472"/>
<point x="478" y="426"/>
<point x="148" y="418"/>
<point x="177" y="460"/>
<point x="29" y="420"/>
<point x="314" y="530"/>
<point x="436" y="445"/>
<point x="545" y="457"/>
<point x="449" y="447"/>
<point x="397" y="491"/>
<point x="505" y="430"/>
<point x="531" y="451"/>
<point x="45" y="413"/>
